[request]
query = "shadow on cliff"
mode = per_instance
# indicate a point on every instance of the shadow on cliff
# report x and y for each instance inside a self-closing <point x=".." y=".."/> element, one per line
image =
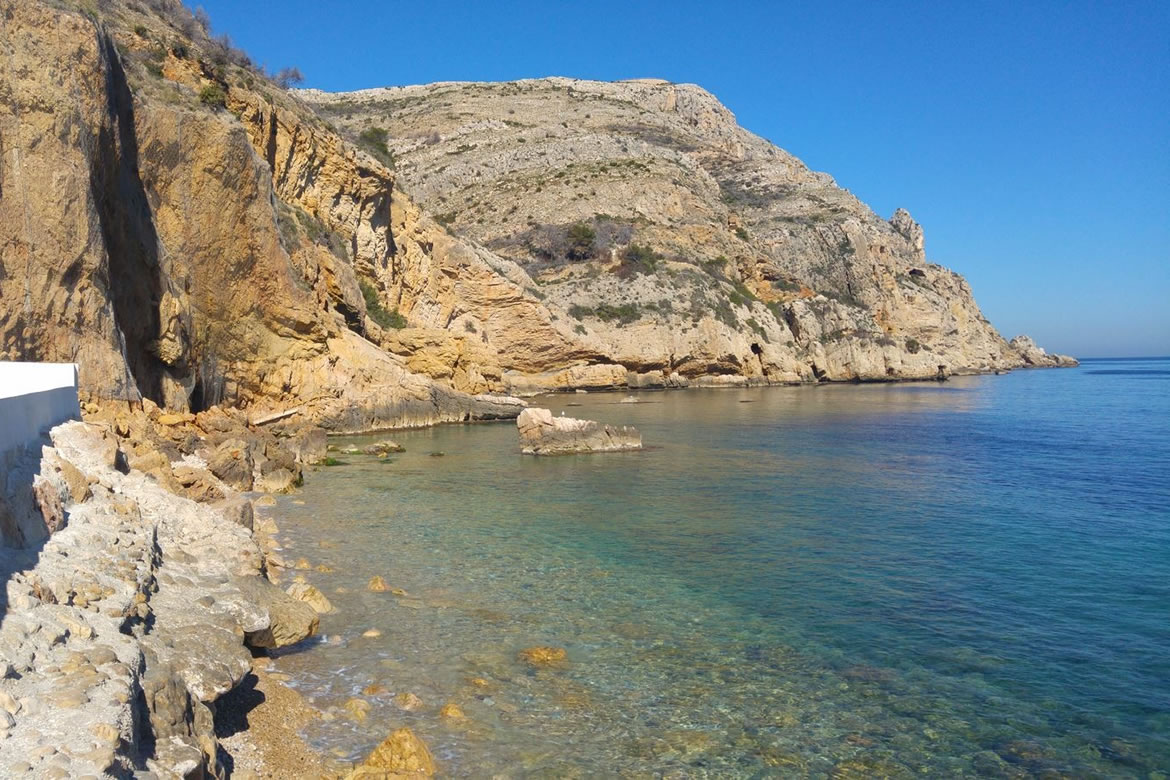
<point x="131" y="241"/>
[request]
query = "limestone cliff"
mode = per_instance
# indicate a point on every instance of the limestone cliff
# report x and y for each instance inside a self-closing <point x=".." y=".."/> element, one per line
<point x="667" y="244"/>
<point x="186" y="231"/>
<point x="193" y="234"/>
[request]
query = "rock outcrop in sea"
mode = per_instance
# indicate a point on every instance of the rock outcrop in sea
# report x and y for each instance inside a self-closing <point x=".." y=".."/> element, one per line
<point x="543" y="434"/>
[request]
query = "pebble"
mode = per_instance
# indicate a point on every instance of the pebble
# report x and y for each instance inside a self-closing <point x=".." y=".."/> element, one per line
<point x="372" y="633"/>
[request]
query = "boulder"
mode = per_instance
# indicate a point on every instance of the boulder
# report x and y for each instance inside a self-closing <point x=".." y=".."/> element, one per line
<point x="303" y="591"/>
<point x="1034" y="355"/>
<point x="232" y="463"/>
<point x="289" y="620"/>
<point x="402" y="754"/>
<point x="277" y="481"/>
<point x="543" y="434"/>
<point x="308" y="444"/>
<point x="544" y="656"/>
<point x="383" y="448"/>
<point x="198" y="484"/>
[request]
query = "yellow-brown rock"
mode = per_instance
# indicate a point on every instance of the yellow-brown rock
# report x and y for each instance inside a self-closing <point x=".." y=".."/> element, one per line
<point x="544" y="656"/>
<point x="402" y="754"/>
<point x="452" y="711"/>
<point x="377" y="584"/>
<point x="408" y="702"/>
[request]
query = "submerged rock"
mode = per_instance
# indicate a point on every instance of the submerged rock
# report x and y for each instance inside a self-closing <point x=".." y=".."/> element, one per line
<point x="544" y="656"/>
<point x="543" y="434"/>
<point x="377" y="584"/>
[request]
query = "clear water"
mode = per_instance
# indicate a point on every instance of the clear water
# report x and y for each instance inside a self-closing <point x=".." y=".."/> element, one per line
<point x="959" y="579"/>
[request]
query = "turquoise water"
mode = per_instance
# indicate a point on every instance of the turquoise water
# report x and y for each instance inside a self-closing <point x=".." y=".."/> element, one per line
<point x="959" y="579"/>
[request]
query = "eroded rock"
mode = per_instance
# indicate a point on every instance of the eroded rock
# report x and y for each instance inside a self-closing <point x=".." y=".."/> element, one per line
<point x="543" y="434"/>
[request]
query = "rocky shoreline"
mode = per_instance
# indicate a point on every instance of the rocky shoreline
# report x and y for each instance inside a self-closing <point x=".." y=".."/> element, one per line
<point x="141" y="601"/>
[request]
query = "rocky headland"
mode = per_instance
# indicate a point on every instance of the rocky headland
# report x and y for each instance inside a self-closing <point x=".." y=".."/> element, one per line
<point x="239" y="270"/>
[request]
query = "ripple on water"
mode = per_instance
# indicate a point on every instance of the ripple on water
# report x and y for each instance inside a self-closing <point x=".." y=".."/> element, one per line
<point x="844" y="582"/>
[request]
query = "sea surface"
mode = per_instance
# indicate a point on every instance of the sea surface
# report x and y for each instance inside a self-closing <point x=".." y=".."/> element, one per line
<point x="960" y="579"/>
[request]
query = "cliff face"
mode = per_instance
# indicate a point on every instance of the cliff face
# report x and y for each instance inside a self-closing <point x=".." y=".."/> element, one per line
<point x="187" y="237"/>
<point x="666" y="241"/>
<point x="192" y="234"/>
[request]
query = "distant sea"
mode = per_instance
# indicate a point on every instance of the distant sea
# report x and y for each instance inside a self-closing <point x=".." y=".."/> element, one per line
<point x="961" y="579"/>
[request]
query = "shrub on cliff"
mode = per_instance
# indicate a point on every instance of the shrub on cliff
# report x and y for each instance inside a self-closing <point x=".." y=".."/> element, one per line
<point x="373" y="140"/>
<point x="638" y="259"/>
<point x="376" y="311"/>
<point x="580" y="239"/>
<point x="213" y="95"/>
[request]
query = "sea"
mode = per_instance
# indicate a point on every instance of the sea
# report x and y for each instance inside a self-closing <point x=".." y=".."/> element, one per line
<point x="967" y="578"/>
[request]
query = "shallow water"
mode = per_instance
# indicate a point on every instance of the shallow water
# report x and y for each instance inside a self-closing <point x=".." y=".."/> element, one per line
<point x="959" y="579"/>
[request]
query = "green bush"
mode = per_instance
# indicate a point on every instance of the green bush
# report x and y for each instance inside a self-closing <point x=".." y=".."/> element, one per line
<point x="580" y="238"/>
<point x="376" y="311"/>
<point x="374" y="140"/>
<point x="912" y="346"/>
<point x="638" y="259"/>
<point x="213" y="95"/>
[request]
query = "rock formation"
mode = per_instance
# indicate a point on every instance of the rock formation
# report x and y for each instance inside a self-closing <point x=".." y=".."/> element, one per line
<point x="192" y="234"/>
<point x="123" y="627"/>
<point x="543" y="434"/>
<point x="667" y="245"/>
<point x="1035" y="357"/>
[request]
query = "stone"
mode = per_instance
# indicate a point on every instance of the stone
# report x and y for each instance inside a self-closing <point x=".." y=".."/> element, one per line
<point x="198" y="484"/>
<point x="289" y="620"/>
<point x="544" y="656"/>
<point x="374" y="689"/>
<point x="277" y="481"/>
<point x="543" y="434"/>
<point x="401" y="752"/>
<point x="377" y="584"/>
<point x="452" y="711"/>
<point x="232" y="463"/>
<point x="358" y="709"/>
<point x="407" y="702"/>
<point x="311" y="596"/>
<point x="383" y="448"/>
<point x="371" y="633"/>
<point x="238" y="510"/>
<point x="309" y="444"/>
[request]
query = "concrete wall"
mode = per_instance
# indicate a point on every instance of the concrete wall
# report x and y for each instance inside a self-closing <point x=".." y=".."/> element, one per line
<point x="33" y="398"/>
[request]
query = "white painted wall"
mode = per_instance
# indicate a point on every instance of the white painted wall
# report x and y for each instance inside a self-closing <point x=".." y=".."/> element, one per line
<point x="33" y="398"/>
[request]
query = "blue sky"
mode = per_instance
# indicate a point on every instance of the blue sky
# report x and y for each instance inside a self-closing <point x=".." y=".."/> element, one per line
<point x="1031" y="140"/>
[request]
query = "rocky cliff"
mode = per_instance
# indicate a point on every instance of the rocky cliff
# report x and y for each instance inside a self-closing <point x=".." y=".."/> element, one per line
<point x="666" y="243"/>
<point x="187" y="232"/>
<point x="193" y="234"/>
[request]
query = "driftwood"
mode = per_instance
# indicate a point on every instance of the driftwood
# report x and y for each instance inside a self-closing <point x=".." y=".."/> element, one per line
<point x="276" y="416"/>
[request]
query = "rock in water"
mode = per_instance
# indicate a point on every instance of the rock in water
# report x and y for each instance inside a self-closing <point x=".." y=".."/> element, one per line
<point x="302" y="591"/>
<point x="290" y="620"/>
<point x="544" y="656"/>
<point x="543" y="434"/>
<point x="1035" y="356"/>
<point x="402" y="754"/>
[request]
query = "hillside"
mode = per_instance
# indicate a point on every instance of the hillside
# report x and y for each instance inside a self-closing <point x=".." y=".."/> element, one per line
<point x="191" y="232"/>
<point x="668" y="240"/>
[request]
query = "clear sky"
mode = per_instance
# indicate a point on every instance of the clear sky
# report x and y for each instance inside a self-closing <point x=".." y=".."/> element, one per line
<point x="1031" y="139"/>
